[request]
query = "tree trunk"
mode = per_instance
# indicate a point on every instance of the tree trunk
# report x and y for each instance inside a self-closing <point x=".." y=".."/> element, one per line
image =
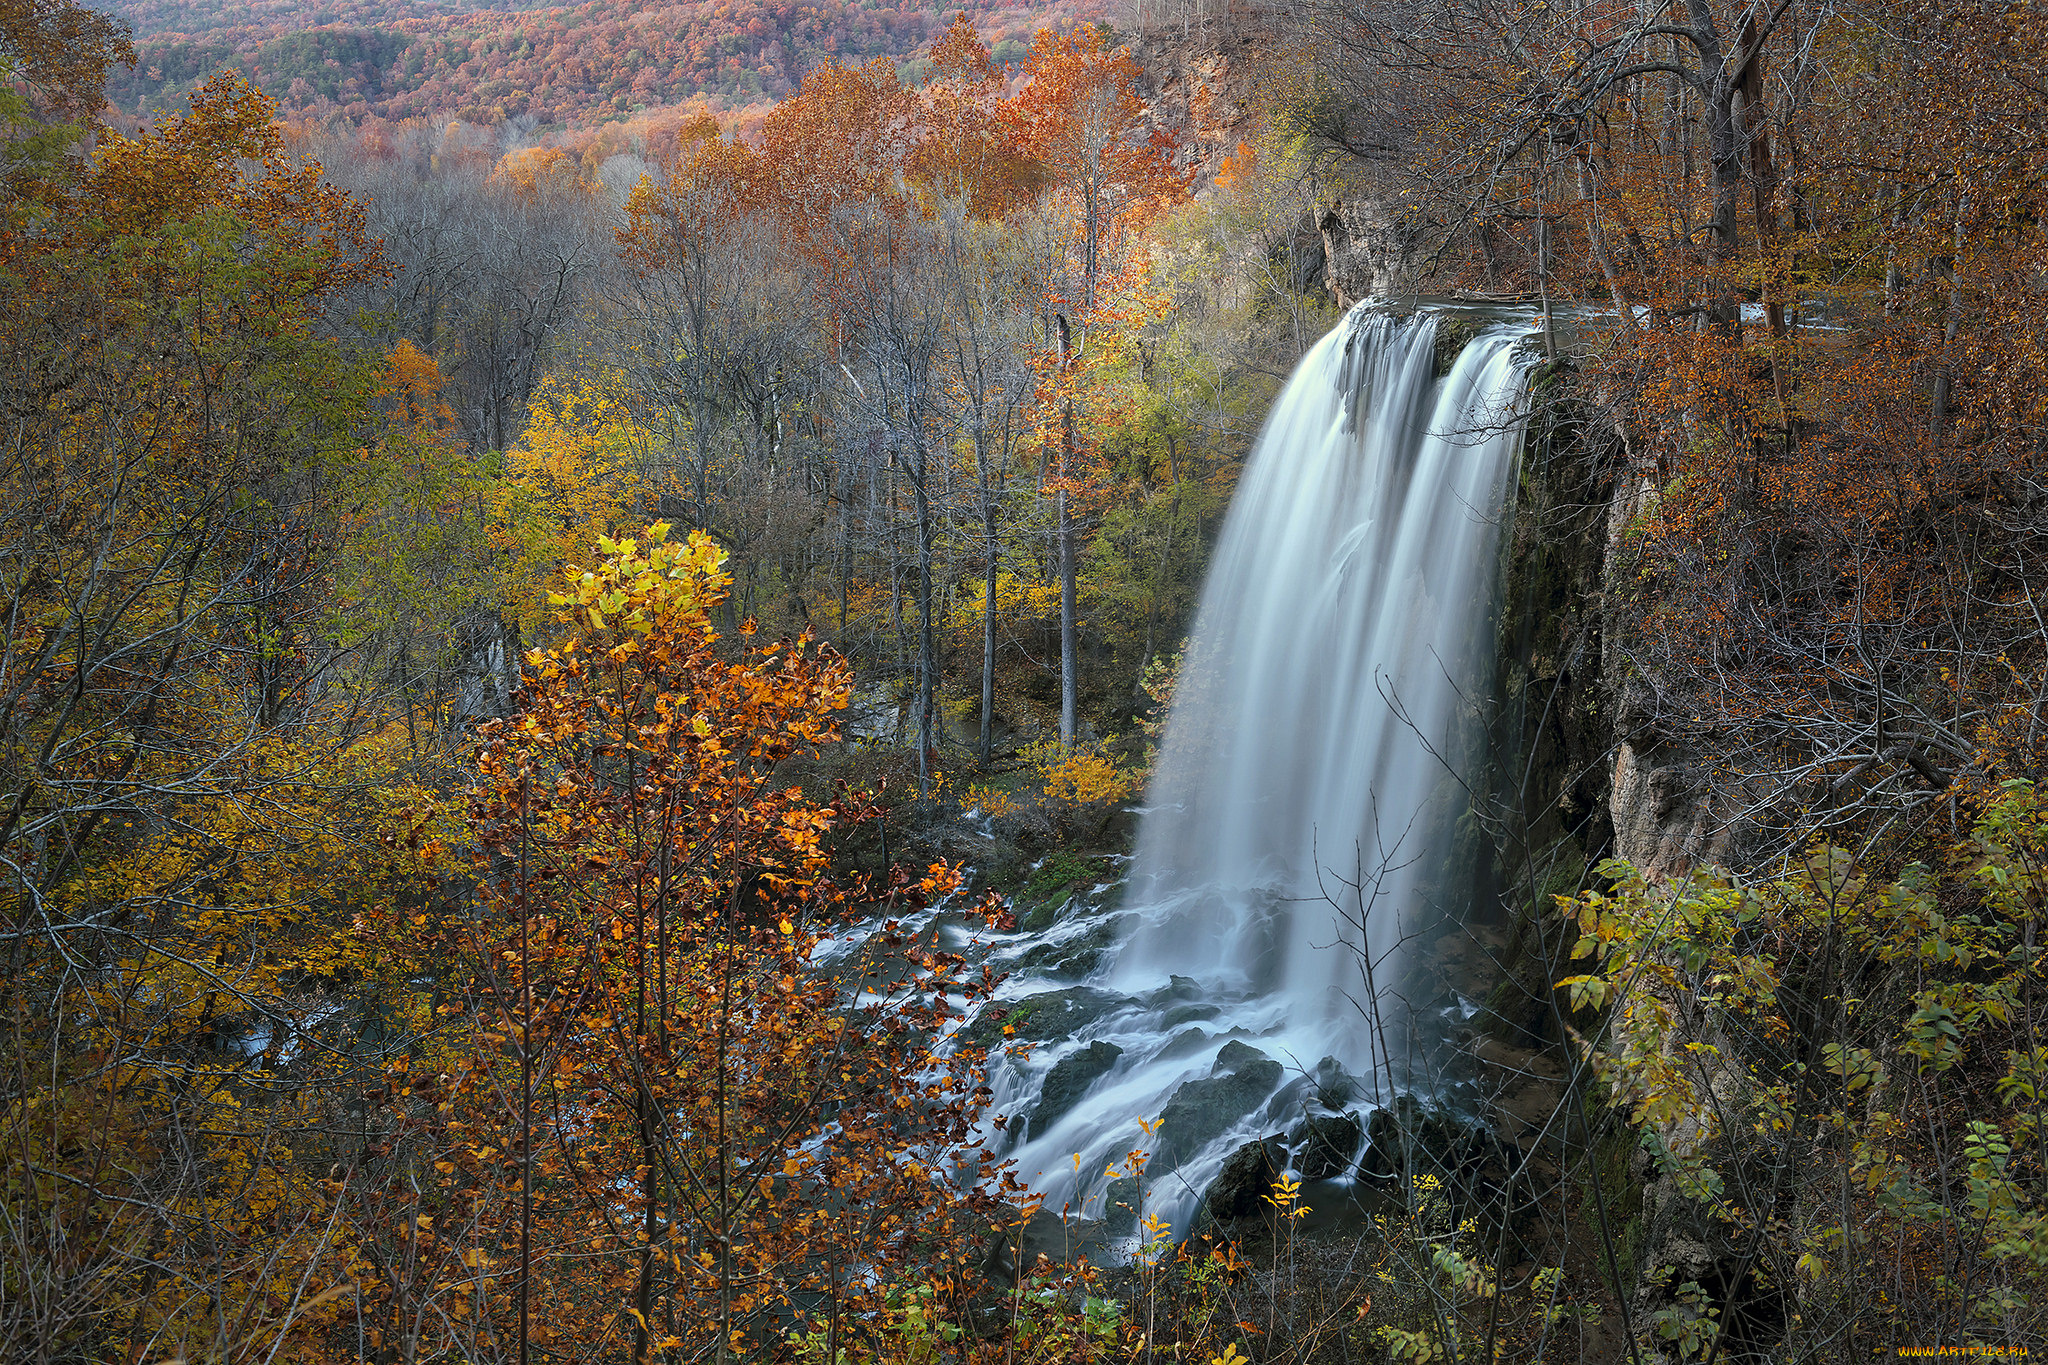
<point x="1596" y="238"/>
<point x="1543" y="266"/>
<point x="1069" y="672"/>
<point x="927" y="636"/>
<point x="650" y="1226"/>
<point x="1944" y="384"/>
<point x="988" y="634"/>
<point x="1763" y="189"/>
<point x="1721" y="83"/>
<point x="1069" y="665"/>
<point x="896" y="594"/>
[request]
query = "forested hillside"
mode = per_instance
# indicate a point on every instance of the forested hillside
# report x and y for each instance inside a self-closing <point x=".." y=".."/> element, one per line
<point x="201" y="16"/>
<point x="556" y="64"/>
<point x="438" y="580"/>
<point x="575" y="675"/>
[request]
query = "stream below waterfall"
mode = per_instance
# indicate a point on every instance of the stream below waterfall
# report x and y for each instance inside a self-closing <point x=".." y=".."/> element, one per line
<point x="1245" y="979"/>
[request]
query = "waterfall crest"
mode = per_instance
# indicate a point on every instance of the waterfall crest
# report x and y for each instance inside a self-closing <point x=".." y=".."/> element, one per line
<point x="1302" y="807"/>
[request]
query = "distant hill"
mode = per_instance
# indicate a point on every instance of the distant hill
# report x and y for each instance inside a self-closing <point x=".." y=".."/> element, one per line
<point x="152" y="17"/>
<point x="581" y="64"/>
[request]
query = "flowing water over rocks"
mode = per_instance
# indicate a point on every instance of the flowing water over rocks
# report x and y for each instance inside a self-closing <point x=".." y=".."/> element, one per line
<point x="1303" y="815"/>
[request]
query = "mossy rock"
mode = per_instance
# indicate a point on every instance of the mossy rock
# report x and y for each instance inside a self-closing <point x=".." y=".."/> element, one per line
<point x="1041" y="916"/>
<point x="1324" y="1145"/>
<point x="1453" y="335"/>
<point x="1120" y="1206"/>
<point x="1241" y="1189"/>
<point x="1610" y="1180"/>
<point x="1068" y="1082"/>
<point x="998" y="866"/>
<point x="1051" y="887"/>
<point x="1044" y="1017"/>
<point x="1203" y="1110"/>
<point x="1079" y="954"/>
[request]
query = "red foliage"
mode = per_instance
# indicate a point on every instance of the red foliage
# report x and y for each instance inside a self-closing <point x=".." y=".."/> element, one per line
<point x="603" y="60"/>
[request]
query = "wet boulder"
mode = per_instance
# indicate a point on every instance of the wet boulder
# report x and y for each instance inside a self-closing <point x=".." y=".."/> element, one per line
<point x="1120" y="1206"/>
<point x="1068" y="1081"/>
<point x="1324" y="1145"/>
<point x="1412" y="1137"/>
<point x="1182" y="1015"/>
<point x="1075" y="955"/>
<point x="1335" y="1087"/>
<point x="1203" y="1110"/>
<point x="1234" y="1057"/>
<point x="1191" y="1040"/>
<point x="1178" y="989"/>
<point x="1045" y="1017"/>
<point x="1044" y="1233"/>
<point x="1241" y="1189"/>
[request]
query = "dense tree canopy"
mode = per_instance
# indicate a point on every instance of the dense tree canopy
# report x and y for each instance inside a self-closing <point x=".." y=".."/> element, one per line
<point x="297" y="457"/>
<point x="583" y="63"/>
<point x="478" y="592"/>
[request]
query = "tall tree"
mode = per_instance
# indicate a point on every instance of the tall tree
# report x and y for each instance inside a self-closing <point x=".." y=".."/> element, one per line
<point x="1079" y="114"/>
<point x="179" y="723"/>
<point x="642" y="991"/>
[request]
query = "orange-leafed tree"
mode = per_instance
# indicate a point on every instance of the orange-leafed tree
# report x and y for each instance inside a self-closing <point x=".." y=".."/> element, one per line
<point x="1084" y="396"/>
<point x="969" y="145"/>
<point x="713" y="1143"/>
<point x="705" y="176"/>
<point x="413" y="392"/>
<point x="836" y="150"/>
<point x="540" y="174"/>
<point x="60" y="53"/>
<point x="1080" y="117"/>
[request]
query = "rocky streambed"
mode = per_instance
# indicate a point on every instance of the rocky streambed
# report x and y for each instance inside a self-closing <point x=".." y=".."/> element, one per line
<point x="1223" y="1094"/>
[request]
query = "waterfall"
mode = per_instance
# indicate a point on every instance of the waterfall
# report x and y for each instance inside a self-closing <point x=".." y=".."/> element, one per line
<point x="1302" y="810"/>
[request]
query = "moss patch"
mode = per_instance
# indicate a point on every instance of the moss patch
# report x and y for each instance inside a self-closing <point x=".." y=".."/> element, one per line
<point x="1610" y="1174"/>
<point x="1048" y="889"/>
<point x="1453" y="335"/>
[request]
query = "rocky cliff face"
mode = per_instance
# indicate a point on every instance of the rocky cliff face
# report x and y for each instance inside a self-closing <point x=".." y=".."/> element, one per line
<point x="1662" y="804"/>
<point x="1369" y="248"/>
<point x="1548" y="813"/>
<point x="1668" y="812"/>
<point x="1198" y="86"/>
<point x="1579" y="777"/>
<point x="1198" y="89"/>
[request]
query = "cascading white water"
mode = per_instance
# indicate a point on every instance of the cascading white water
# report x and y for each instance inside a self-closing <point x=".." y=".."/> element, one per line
<point x="1302" y="808"/>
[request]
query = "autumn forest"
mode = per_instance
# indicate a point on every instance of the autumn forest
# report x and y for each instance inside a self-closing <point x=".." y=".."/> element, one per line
<point x="589" y="597"/>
